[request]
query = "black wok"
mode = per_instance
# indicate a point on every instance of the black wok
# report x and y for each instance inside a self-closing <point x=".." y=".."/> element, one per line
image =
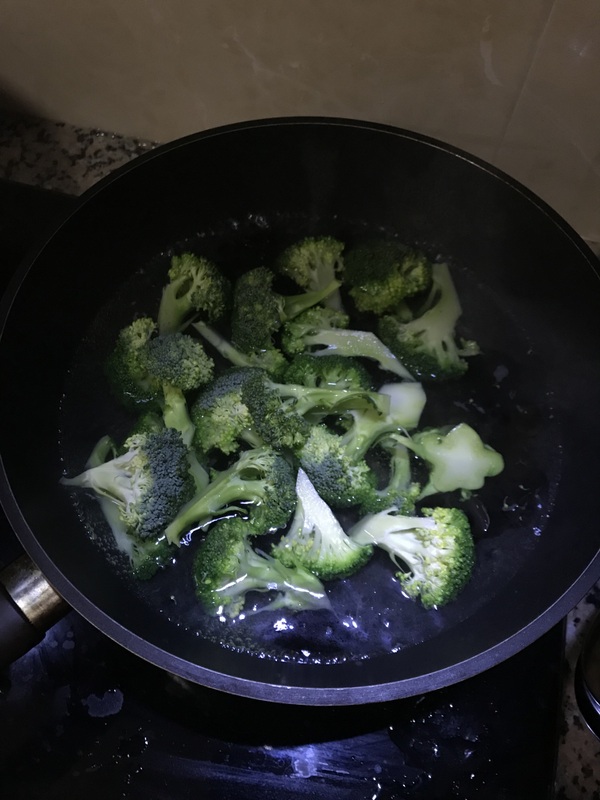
<point x="531" y="298"/>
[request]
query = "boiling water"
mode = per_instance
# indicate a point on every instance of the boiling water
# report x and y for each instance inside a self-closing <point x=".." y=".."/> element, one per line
<point x="503" y="397"/>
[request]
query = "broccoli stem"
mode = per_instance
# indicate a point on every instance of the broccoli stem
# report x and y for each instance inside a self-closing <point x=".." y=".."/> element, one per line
<point x="357" y="343"/>
<point x="221" y="345"/>
<point x="225" y="495"/>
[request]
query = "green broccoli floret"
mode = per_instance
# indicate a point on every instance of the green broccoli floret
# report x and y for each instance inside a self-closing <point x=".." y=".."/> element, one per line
<point x="126" y="366"/>
<point x="227" y="568"/>
<point x="334" y="372"/>
<point x="180" y="360"/>
<point x="196" y="286"/>
<point x="148" y="482"/>
<point x="221" y="419"/>
<point x="335" y="462"/>
<point x="342" y="482"/>
<point x="327" y="329"/>
<point x="316" y="540"/>
<point x="271" y="360"/>
<point x="313" y="263"/>
<point x="382" y="273"/>
<point x="158" y="370"/>
<point x="259" y="311"/>
<point x="139" y="491"/>
<point x="406" y="404"/>
<point x="265" y="397"/>
<point x="260" y="486"/>
<point x="457" y="458"/>
<point x="181" y="365"/>
<point x="435" y="552"/>
<point x="427" y="345"/>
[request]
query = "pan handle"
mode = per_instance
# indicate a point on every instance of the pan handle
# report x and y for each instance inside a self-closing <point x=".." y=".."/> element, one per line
<point x="29" y="606"/>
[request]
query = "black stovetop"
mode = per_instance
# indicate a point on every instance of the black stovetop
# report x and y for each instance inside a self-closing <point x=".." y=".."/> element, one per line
<point x="82" y="718"/>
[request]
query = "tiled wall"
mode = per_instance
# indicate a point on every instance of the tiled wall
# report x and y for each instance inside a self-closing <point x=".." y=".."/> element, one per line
<point x="513" y="81"/>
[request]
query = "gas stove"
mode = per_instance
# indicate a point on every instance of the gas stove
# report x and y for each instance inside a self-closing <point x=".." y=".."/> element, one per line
<point x="80" y="717"/>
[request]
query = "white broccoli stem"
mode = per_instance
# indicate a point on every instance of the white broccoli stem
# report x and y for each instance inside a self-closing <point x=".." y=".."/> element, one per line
<point x="360" y="344"/>
<point x="407" y="401"/>
<point x="378" y="528"/>
<point x="313" y="515"/>
<point x="221" y="345"/>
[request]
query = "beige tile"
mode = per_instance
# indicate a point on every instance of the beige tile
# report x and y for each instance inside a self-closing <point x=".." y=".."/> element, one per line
<point x="552" y="143"/>
<point x="157" y="69"/>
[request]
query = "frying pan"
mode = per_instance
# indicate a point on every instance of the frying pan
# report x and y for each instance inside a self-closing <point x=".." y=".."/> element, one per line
<point x="531" y="297"/>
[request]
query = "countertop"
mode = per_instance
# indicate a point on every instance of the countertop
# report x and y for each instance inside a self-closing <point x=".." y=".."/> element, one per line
<point x="68" y="159"/>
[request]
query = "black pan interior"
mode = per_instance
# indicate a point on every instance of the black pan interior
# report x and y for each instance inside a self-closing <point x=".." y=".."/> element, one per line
<point x="530" y="292"/>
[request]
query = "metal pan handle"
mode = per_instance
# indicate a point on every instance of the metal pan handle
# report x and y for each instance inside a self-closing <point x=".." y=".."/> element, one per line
<point x="29" y="606"/>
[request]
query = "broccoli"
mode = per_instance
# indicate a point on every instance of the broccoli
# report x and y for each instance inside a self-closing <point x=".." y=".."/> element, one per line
<point x="328" y="329"/>
<point x="139" y="492"/>
<point x="335" y="462"/>
<point x="259" y="311"/>
<point x="227" y="568"/>
<point x="261" y="393"/>
<point x="435" y="552"/>
<point x="126" y="366"/>
<point x="335" y="372"/>
<point x="148" y="482"/>
<point x="196" y="286"/>
<point x="313" y="263"/>
<point x="144" y="368"/>
<point x="427" y="344"/>
<point x="316" y="540"/>
<point x="260" y="486"/>
<point x="340" y="480"/>
<point x="382" y="273"/>
<point x="180" y="360"/>
<point x="227" y="413"/>
<point x="457" y="458"/>
<point x="406" y="404"/>
<point x="271" y="360"/>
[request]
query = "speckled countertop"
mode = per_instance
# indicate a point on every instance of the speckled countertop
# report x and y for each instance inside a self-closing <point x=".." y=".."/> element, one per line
<point x="61" y="157"/>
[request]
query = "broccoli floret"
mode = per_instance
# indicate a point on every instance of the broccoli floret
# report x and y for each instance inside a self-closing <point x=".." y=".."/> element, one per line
<point x="382" y="273"/>
<point x="146" y="556"/>
<point x="328" y="329"/>
<point x="271" y="360"/>
<point x="126" y="366"/>
<point x="313" y="263"/>
<point x="341" y="481"/>
<point x="457" y="458"/>
<point x="196" y="286"/>
<point x="139" y="491"/>
<point x="227" y="568"/>
<point x="181" y="365"/>
<point x="335" y="462"/>
<point x="427" y="345"/>
<point x="264" y="397"/>
<point x="148" y="482"/>
<point x="435" y="552"/>
<point x="406" y="404"/>
<point x="260" y="486"/>
<point x="316" y="540"/>
<point x="221" y="418"/>
<point x="259" y="311"/>
<point x="334" y="372"/>
<point x="180" y="360"/>
<point x="144" y="369"/>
